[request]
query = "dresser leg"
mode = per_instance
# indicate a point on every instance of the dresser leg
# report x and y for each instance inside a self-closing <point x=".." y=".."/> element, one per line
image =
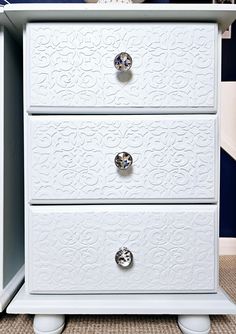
<point x="49" y="324"/>
<point x="194" y="324"/>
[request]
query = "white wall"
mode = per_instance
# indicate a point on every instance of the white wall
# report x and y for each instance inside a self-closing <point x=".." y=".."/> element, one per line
<point x="227" y="246"/>
<point x="228" y="117"/>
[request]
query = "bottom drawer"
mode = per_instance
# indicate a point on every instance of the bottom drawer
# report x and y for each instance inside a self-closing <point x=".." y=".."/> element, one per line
<point x="74" y="249"/>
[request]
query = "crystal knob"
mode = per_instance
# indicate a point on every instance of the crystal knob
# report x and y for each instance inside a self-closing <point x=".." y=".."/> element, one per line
<point x="124" y="257"/>
<point x="123" y="160"/>
<point x="123" y="62"/>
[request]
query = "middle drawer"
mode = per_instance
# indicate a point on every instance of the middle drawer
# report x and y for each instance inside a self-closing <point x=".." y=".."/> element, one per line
<point x="71" y="159"/>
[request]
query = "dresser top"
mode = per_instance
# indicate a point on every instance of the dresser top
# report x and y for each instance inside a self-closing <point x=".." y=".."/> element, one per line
<point x="4" y="21"/>
<point x="19" y="14"/>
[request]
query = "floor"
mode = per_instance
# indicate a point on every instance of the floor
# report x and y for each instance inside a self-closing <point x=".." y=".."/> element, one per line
<point x="22" y="324"/>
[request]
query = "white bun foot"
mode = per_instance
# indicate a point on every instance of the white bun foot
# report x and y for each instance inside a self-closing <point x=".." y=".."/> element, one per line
<point x="194" y="324"/>
<point x="49" y="324"/>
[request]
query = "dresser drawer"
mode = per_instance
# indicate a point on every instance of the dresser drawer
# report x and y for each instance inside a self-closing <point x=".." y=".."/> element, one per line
<point x="70" y="67"/>
<point x="73" y="249"/>
<point x="71" y="159"/>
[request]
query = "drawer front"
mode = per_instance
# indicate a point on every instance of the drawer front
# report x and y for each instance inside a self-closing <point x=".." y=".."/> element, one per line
<point x="70" y="67"/>
<point x="72" y="249"/>
<point x="71" y="159"/>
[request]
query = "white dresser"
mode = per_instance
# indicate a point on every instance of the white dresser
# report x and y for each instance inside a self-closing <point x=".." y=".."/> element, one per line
<point x="11" y="165"/>
<point x="122" y="163"/>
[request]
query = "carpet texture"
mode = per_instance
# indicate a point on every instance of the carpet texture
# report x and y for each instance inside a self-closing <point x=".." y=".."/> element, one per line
<point x="22" y="324"/>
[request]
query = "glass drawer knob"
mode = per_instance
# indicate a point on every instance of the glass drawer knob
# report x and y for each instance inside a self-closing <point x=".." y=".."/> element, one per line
<point x="124" y="257"/>
<point x="123" y="160"/>
<point x="123" y="62"/>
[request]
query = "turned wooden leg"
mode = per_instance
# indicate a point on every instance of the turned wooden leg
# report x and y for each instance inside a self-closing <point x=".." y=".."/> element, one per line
<point x="49" y="323"/>
<point x="194" y="324"/>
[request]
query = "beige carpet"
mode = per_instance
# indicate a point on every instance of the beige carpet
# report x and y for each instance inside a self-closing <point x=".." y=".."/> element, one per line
<point x="22" y="324"/>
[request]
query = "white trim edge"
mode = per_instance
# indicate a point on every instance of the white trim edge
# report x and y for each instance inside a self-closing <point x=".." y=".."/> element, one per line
<point x="12" y="287"/>
<point x="227" y="246"/>
<point x="206" y="303"/>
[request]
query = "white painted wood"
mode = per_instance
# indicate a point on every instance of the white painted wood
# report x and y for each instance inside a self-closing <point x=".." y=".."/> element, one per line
<point x="173" y="67"/>
<point x="23" y="13"/>
<point x="228" y="117"/>
<point x="11" y="288"/>
<point x="219" y="57"/>
<point x="227" y="246"/>
<point x="5" y="22"/>
<point x="71" y="159"/>
<point x="13" y="160"/>
<point x="185" y="304"/>
<point x="215" y="303"/>
<point x="49" y="324"/>
<point x="12" y="220"/>
<point x="71" y="249"/>
<point x="1" y="151"/>
<point x="194" y="324"/>
<point x="11" y="168"/>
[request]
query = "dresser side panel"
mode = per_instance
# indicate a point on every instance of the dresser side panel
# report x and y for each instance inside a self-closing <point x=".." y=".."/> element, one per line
<point x="218" y="162"/>
<point x="13" y="160"/>
<point x="1" y="151"/>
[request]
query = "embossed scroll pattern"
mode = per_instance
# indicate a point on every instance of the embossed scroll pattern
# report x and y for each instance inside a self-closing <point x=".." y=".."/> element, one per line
<point x="71" y="158"/>
<point x="71" y="65"/>
<point x="74" y="250"/>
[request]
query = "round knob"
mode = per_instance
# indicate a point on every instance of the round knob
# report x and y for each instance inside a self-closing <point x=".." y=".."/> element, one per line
<point x="124" y="257"/>
<point x="123" y="62"/>
<point x="123" y="160"/>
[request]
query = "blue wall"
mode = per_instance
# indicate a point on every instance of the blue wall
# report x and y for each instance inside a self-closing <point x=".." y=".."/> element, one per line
<point x="40" y="1"/>
<point x="228" y="164"/>
<point x="228" y="196"/>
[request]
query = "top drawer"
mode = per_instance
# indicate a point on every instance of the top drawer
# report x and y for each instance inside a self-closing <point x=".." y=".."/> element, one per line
<point x="70" y="68"/>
